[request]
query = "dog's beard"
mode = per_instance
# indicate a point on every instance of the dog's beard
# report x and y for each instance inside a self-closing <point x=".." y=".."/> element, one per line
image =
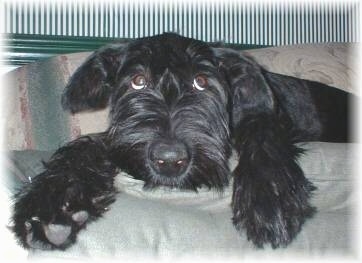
<point x="208" y="164"/>
<point x="207" y="168"/>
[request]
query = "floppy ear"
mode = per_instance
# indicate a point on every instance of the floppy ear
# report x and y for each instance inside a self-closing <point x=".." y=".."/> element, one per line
<point x="271" y="195"/>
<point x="90" y="87"/>
<point x="250" y="91"/>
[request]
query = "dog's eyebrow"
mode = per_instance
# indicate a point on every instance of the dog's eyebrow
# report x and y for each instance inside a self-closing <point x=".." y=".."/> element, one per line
<point x="205" y="62"/>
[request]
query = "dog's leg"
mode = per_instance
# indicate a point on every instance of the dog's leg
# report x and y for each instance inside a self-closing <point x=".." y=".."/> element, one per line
<point x="270" y="192"/>
<point x="76" y="187"/>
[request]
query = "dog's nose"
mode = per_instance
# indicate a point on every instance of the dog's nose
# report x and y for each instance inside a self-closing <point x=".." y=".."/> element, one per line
<point x="169" y="158"/>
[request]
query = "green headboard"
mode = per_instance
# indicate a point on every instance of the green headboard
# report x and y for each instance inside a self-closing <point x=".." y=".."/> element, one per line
<point x="22" y="49"/>
<point x="37" y="29"/>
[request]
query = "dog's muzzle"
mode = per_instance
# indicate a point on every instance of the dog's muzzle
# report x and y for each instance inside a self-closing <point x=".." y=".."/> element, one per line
<point x="169" y="158"/>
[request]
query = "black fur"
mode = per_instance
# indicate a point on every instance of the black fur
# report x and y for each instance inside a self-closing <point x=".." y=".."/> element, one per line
<point x="260" y="114"/>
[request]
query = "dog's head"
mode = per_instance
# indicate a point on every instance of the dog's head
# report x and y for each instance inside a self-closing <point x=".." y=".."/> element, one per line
<point x="173" y="103"/>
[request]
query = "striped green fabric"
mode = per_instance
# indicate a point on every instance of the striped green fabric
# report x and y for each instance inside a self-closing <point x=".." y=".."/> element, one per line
<point x="236" y="22"/>
<point x="22" y="49"/>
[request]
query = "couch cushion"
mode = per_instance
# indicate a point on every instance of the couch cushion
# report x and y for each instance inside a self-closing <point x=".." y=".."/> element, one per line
<point x="168" y="223"/>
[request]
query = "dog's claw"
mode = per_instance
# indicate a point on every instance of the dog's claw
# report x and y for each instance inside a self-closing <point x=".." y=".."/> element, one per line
<point x="27" y="226"/>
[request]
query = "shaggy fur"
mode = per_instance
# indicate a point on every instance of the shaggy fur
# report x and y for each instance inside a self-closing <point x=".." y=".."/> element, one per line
<point x="178" y="107"/>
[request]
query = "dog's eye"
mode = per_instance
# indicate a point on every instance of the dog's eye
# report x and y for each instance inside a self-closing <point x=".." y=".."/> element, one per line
<point x="139" y="82"/>
<point x="200" y="82"/>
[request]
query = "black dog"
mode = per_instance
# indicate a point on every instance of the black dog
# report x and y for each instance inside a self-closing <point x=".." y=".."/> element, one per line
<point x="178" y="107"/>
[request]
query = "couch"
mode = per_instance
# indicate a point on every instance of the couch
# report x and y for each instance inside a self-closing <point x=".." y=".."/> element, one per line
<point x="169" y="224"/>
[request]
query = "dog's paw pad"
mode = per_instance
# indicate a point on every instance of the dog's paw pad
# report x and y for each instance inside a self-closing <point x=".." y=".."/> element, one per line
<point x="80" y="217"/>
<point x="57" y="234"/>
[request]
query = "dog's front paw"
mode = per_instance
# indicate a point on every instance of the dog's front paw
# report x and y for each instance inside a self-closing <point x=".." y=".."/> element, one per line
<point x="49" y="213"/>
<point x="41" y="234"/>
<point x="273" y="210"/>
